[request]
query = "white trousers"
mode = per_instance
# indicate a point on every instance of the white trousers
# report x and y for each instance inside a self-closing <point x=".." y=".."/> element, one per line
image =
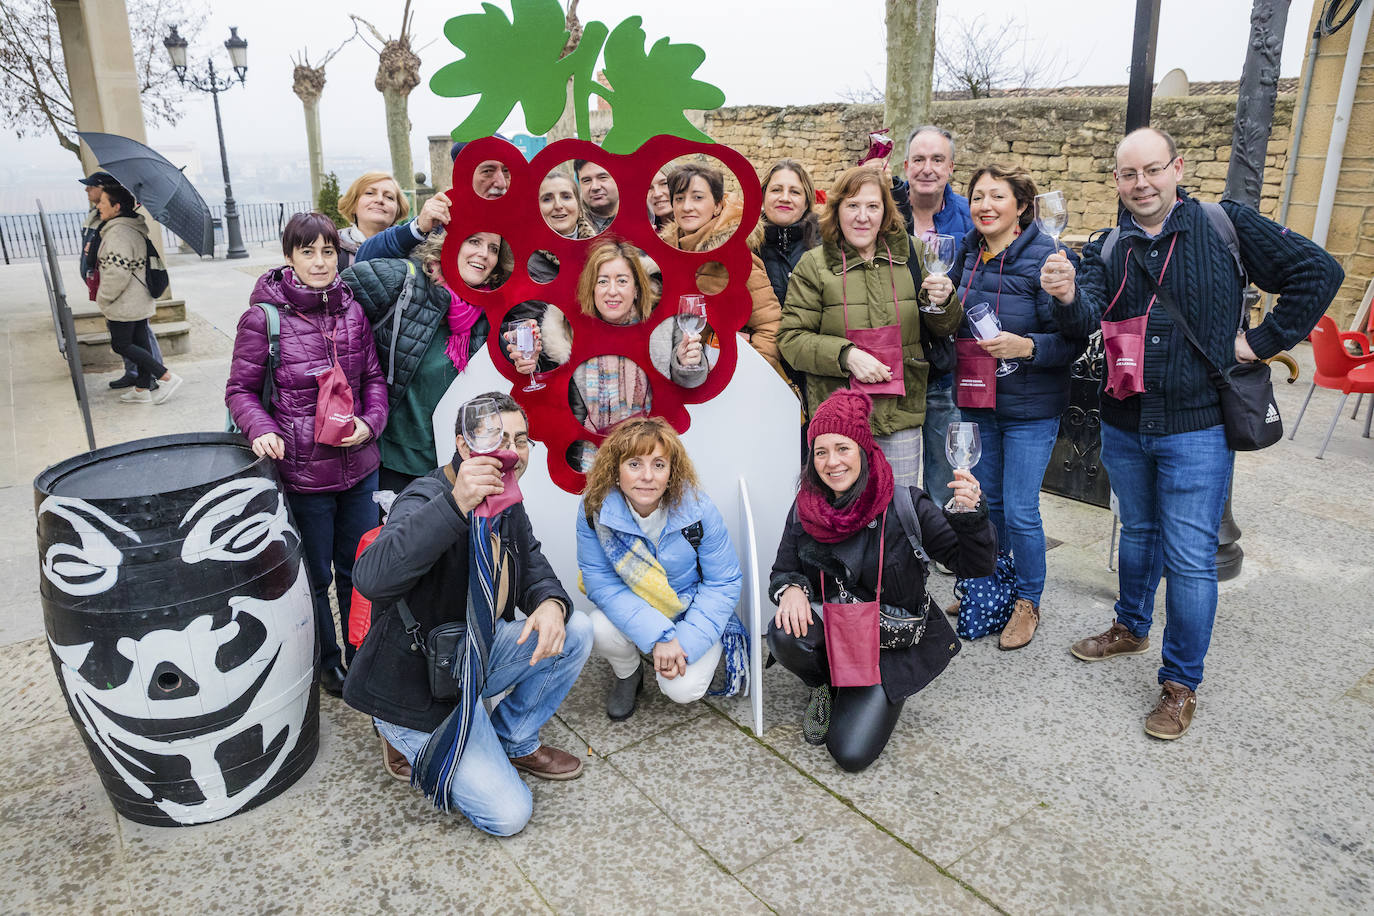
<point x="623" y="654"/>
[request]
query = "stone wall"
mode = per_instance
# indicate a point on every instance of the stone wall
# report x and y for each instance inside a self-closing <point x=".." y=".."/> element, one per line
<point x="1066" y="143"/>
<point x="1350" y="237"/>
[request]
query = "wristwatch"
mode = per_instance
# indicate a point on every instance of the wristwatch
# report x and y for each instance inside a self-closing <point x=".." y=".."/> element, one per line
<point x="1034" y="350"/>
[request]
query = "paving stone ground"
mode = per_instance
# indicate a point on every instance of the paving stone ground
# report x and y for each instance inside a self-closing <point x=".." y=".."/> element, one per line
<point x="1018" y="782"/>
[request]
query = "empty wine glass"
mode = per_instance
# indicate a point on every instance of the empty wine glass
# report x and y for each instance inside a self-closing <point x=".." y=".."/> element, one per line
<point x="1051" y="215"/>
<point x="963" y="448"/>
<point x="521" y="334"/>
<point x="481" y="425"/>
<point x="982" y="319"/>
<point x="691" y="314"/>
<point x="939" y="259"/>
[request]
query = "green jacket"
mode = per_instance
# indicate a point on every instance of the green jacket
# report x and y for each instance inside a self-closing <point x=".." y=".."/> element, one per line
<point x="812" y="338"/>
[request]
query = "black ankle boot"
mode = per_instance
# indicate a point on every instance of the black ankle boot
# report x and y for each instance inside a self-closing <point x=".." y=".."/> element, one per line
<point x="620" y="704"/>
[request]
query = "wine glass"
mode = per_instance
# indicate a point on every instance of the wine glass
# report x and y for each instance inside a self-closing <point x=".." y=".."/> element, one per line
<point x="521" y="334"/>
<point x="963" y="448"/>
<point x="982" y="319"/>
<point x="691" y="314"/>
<point x="481" y="425"/>
<point x="939" y="259"/>
<point x="1051" y="215"/>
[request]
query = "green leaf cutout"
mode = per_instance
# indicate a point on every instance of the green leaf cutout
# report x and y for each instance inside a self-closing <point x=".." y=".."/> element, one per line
<point x="651" y="92"/>
<point x="509" y="62"/>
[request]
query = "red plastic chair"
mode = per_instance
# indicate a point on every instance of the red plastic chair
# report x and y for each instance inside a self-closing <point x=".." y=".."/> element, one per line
<point x="1333" y="364"/>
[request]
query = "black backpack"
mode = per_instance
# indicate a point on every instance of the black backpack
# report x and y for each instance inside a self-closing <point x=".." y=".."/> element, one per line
<point x="155" y="273"/>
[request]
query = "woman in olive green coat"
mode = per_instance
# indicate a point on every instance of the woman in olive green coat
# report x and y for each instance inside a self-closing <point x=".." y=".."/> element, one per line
<point x="862" y="271"/>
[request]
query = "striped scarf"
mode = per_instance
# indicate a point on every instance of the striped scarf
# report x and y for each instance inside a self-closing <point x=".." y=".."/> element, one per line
<point x="614" y="389"/>
<point x="437" y="763"/>
<point x="638" y="568"/>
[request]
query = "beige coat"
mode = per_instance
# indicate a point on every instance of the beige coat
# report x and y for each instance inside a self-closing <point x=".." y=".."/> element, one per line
<point x="123" y="262"/>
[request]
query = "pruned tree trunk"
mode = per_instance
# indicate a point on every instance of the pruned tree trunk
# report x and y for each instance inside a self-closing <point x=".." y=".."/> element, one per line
<point x="398" y="72"/>
<point x="308" y="84"/>
<point x="398" y="135"/>
<point x="566" y="127"/>
<point x="910" y="65"/>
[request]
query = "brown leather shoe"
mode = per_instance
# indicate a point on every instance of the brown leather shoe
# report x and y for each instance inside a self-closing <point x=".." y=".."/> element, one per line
<point x="1173" y="713"/>
<point x="549" y="762"/>
<point x="1116" y="641"/>
<point x="1019" y="630"/>
<point x="953" y="609"/>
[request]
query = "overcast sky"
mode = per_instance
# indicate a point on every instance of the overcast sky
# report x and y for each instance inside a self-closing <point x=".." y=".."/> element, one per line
<point x="810" y="53"/>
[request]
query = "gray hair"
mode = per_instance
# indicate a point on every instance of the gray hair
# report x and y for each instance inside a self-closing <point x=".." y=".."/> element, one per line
<point x="930" y="129"/>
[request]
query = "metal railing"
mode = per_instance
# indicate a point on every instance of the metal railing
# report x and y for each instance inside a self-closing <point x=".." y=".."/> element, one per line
<point x="21" y="235"/>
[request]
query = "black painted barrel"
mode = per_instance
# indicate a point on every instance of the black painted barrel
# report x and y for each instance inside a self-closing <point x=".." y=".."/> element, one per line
<point x="180" y="622"/>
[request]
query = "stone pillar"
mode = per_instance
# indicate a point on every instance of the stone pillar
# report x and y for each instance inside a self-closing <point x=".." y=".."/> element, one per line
<point x="95" y="39"/>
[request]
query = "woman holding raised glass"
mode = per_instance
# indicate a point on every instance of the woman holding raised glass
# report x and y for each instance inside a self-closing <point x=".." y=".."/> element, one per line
<point x="1013" y="373"/>
<point x="847" y="542"/>
<point x="853" y="315"/>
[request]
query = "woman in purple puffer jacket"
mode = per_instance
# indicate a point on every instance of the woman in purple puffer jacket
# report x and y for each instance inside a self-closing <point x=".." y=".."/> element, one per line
<point x="329" y="487"/>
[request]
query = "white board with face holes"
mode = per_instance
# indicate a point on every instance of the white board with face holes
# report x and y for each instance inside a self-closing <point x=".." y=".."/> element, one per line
<point x="750" y="432"/>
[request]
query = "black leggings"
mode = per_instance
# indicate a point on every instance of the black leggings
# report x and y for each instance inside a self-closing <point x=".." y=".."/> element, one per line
<point x="130" y="340"/>
<point x="861" y="718"/>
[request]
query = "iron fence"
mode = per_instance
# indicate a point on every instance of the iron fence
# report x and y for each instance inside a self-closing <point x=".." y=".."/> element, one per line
<point x="21" y="235"/>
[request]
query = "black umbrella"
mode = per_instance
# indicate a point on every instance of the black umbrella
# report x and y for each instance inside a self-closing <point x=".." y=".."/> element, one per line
<point x="158" y="185"/>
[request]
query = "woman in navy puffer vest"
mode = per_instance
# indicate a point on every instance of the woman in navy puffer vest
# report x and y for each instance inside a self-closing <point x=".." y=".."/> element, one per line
<point x="329" y="487"/>
<point x="999" y="263"/>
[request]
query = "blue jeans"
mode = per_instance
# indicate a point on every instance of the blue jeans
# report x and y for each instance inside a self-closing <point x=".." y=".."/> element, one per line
<point x="1171" y="491"/>
<point x="940" y="412"/>
<point x="1015" y="455"/>
<point x="331" y="525"/>
<point x="486" y="788"/>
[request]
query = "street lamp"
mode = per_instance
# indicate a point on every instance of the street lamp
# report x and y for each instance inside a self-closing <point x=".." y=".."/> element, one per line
<point x="238" y="59"/>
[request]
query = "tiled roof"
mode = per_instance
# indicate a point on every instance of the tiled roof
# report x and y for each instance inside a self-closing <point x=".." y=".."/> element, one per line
<point x="1287" y="85"/>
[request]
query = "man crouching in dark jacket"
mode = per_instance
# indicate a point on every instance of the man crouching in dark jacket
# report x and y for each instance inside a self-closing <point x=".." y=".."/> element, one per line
<point x="422" y="556"/>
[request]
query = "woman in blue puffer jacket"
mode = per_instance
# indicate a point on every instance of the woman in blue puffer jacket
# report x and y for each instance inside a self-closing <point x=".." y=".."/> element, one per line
<point x="999" y="264"/>
<point x="657" y="561"/>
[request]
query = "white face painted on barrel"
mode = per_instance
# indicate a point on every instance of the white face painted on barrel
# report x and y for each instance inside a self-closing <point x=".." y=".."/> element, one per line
<point x="178" y="716"/>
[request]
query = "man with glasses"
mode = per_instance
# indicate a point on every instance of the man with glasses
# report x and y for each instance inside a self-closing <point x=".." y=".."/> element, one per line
<point x="1163" y="443"/>
<point x="420" y="570"/>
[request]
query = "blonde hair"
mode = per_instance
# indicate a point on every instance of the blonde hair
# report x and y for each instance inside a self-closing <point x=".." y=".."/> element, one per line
<point x="602" y="254"/>
<point x="847" y="186"/>
<point x="348" y="203"/>
<point x="632" y="438"/>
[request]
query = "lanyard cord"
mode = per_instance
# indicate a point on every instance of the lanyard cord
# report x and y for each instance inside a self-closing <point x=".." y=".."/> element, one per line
<point x="844" y="292"/>
<point x="1127" y="269"/>
<point x="1001" y="263"/>
<point x="882" y="538"/>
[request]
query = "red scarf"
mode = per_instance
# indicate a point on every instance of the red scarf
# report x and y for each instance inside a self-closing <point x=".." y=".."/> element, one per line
<point x="829" y="525"/>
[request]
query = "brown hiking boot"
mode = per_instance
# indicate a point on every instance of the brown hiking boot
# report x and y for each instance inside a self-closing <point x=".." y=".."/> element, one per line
<point x="1116" y="641"/>
<point x="548" y="762"/>
<point x="1173" y="713"/>
<point x="1019" y="630"/>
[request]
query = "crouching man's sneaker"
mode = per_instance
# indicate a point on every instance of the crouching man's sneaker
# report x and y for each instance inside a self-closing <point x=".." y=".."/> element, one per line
<point x="548" y="762"/>
<point x="1173" y="713"/>
<point x="1116" y="641"/>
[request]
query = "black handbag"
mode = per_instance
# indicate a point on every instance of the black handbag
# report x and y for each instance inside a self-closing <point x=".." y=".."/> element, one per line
<point x="445" y="650"/>
<point x="1249" y="413"/>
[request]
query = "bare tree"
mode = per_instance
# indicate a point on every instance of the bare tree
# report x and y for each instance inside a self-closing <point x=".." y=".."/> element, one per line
<point x="975" y="57"/>
<point x="308" y="83"/>
<point x="567" y="122"/>
<point x="398" y="72"/>
<point x="910" y="59"/>
<point x="37" y="98"/>
<point x="869" y="94"/>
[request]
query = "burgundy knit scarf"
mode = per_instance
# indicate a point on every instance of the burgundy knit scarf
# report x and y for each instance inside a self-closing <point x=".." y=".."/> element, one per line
<point x="830" y="525"/>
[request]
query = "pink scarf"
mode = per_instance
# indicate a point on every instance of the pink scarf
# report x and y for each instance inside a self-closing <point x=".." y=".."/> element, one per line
<point x="462" y="315"/>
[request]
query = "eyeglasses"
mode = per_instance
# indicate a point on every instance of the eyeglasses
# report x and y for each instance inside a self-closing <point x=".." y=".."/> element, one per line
<point x="620" y="282"/>
<point x="1129" y="176"/>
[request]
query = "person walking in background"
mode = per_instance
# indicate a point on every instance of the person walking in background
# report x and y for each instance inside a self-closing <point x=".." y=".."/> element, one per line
<point x="657" y="561"/>
<point x="855" y="294"/>
<point x="329" y="474"/>
<point x="931" y="207"/>
<point x="1017" y="413"/>
<point x="123" y="296"/>
<point x="1163" y="442"/>
<point x="90" y="273"/>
